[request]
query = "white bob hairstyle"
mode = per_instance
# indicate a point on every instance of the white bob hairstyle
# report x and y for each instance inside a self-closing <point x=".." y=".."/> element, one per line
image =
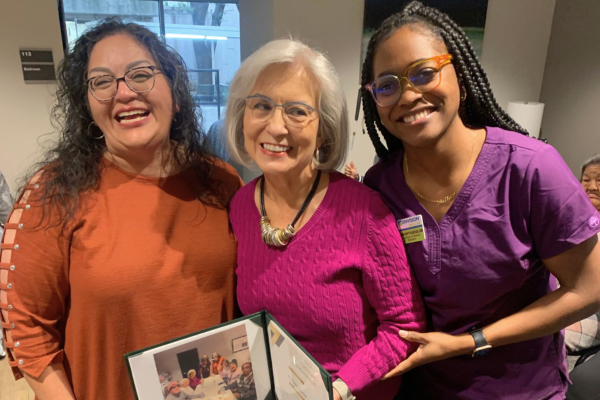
<point x="331" y="104"/>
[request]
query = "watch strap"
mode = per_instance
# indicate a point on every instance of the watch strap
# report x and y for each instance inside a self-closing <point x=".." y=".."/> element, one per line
<point x="482" y="347"/>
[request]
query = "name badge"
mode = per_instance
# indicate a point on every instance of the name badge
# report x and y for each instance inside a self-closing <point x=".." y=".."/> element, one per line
<point x="412" y="229"/>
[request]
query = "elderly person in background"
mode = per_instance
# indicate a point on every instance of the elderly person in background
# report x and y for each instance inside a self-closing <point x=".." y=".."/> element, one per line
<point x="193" y="378"/>
<point x="174" y="392"/>
<point x="590" y="180"/>
<point x="204" y="367"/>
<point x="185" y="387"/>
<point x="583" y="338"/>
<point x="6" y="200"/>
<point x="6" y="204"/>
<point x="320" y="251"/>
<point x="125" y="208"/>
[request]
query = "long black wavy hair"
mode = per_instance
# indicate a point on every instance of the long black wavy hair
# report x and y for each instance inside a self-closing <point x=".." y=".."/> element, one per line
<point x="479" y="109"/>
<point x="73" y="166"/>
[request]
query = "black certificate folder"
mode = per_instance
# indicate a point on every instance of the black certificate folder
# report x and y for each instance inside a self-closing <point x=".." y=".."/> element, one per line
<point x="270" y="365"/>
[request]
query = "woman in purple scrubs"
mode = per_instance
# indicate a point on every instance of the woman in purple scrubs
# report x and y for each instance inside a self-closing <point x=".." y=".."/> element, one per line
<point x="487" y="214"/>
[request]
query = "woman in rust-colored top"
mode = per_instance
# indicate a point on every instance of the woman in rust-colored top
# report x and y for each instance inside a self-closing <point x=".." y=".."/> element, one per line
<point x="124" y="221"/>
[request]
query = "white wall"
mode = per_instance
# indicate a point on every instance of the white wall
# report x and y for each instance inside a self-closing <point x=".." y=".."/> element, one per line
<point x="221" y="343"/>
<point x="515" y="44"/>
<point x="332" y="26"/>
<point x="24" y="109"/>
<point x="571" y="88"/>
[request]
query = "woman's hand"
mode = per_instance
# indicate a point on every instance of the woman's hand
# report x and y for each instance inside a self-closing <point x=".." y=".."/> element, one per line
<point x="435" y="346"/>
<point x="351" y="171"/>
<point x="336" y="395"/>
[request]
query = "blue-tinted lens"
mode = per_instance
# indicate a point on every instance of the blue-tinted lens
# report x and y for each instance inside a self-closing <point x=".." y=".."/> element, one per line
<point x="423" y="75"/>
<point x="386" y="89"/>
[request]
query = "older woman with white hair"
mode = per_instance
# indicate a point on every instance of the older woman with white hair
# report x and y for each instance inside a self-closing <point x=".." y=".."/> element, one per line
<point x="318" y="250"/>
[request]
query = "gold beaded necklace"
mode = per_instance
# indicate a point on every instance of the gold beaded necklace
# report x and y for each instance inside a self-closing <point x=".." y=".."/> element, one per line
<point x="443" y="200"/>
<point x="281" y="237"/>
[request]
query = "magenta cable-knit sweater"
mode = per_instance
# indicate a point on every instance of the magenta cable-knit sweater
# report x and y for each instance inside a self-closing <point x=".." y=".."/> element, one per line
<point x="342" y="286"/>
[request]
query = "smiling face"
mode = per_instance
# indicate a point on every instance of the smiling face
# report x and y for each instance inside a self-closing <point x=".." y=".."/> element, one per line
<point x="276" y="146"/>
<point x="417" y="119"/>
<point x="591" y="184"/>
<point x="131" y="122"/>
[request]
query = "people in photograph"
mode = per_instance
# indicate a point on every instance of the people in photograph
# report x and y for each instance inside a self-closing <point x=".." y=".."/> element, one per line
<point x="234" y="372"/>
<point x="318" y="250"/>
<point x="244" y="388"/>
<point x="225" y="372"/>
<point x="217" y="364"/>
<point x="174" y="392"/>
<point x="502" y="216"/>
<point x="185" y="387"/>
<point x="125" y="207"/>
<point x="194" y="379"/>
<point x="204" y="367"/>
<point x="164" y="379"/>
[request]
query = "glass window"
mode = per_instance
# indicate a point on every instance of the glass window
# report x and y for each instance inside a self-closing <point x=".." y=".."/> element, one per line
<point x="207" y="35"/>
<point x="83" y="14"/>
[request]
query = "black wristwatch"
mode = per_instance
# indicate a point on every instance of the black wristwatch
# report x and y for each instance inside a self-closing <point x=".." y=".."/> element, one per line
<point x="482" y="347"/>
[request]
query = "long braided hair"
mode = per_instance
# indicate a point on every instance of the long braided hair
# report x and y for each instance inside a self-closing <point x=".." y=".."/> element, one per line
<point x="479" y="109"/>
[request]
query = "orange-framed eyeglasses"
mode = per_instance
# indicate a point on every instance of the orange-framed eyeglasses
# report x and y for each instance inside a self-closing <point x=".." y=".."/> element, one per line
<point x="422" y="76"/>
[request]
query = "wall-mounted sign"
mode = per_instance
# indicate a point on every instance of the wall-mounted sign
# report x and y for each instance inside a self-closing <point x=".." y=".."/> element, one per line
<point x="37" y="66"/>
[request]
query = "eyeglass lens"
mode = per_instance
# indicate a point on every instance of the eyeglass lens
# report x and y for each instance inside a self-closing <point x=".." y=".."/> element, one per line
<point x="140" y="80"/>
<point x="295" y="113"/>
<point x="423" y="77"/>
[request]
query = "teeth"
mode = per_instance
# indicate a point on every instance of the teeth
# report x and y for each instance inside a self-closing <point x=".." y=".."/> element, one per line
<point x="275" y="148"/>
<point x="416" y="117"/>
<point x="132" y="120"/>
<point x="128" y="113"/>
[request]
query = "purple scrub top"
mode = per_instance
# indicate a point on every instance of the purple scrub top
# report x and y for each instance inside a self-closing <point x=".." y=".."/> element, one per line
<point x="483" y="262"/>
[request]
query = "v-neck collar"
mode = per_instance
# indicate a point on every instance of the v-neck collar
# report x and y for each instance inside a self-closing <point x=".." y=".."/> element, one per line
<point x="463" y="196"/>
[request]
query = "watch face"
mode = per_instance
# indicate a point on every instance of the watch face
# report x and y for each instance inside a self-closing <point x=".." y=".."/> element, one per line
<point x="482" y="352"/>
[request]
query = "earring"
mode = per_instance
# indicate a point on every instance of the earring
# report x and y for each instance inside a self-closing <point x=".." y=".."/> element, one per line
<point x="90" y="133"/>
<point x="317" y="156"/>
<point x="463" y="93"/>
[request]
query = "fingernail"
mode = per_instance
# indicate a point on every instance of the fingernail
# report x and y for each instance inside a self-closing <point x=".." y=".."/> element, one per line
<point x="403" y="333"/>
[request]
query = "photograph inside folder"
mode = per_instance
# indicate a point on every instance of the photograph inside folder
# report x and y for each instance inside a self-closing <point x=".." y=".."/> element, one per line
<point x="251" y="358"/>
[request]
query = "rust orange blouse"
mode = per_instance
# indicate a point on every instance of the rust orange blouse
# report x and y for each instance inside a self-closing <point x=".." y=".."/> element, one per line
<point x="125" y="273"/>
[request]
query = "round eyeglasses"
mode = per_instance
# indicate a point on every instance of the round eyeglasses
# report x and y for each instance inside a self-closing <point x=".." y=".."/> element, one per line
<point x="422" y="76"/>
<point x="295" y="113"/>
<point x="139" y="79"/>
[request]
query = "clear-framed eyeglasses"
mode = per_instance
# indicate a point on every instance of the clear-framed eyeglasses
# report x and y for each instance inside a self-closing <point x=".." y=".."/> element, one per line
<point x="295" y="113"/>
<point x="139" y="80"/>
<point x="422" y="76"/>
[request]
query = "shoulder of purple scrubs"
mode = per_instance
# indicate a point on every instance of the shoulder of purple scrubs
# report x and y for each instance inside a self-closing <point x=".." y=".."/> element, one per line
<point x="559" y="213"/>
